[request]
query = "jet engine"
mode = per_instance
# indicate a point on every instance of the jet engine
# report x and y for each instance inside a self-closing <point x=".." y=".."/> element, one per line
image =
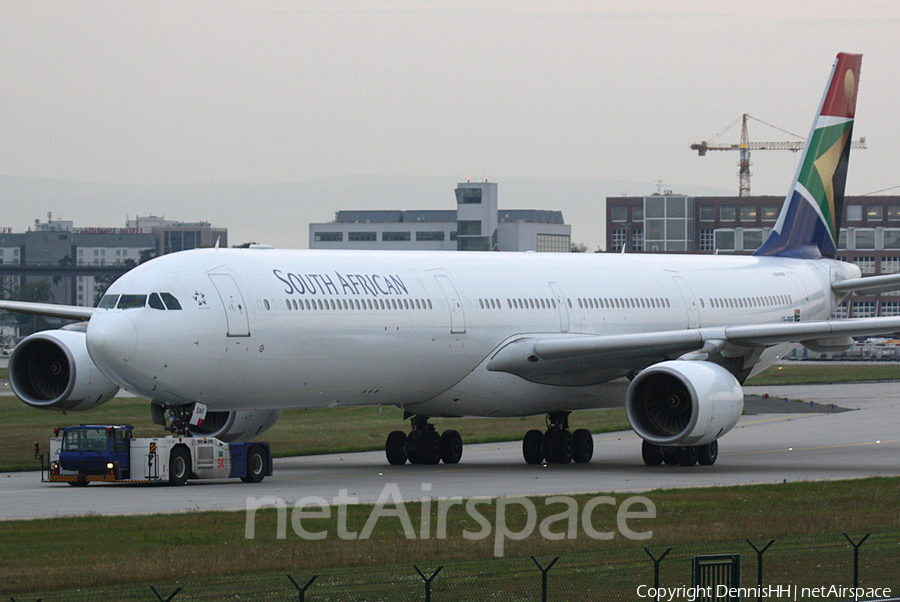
<point x="683" y="403"/>
<point x="52" y="370"/>
<point x="241" y="425"/>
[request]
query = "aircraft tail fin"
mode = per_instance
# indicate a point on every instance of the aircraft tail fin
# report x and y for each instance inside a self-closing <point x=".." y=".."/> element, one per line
<point x="810" y="219"/>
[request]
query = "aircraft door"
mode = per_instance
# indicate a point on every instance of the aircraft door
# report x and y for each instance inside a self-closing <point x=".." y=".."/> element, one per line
<point x="235" y="308"/>
<point x="561" y="306"/>
<point x="690" y="303"/>
<point x="457" y="317"/>
<point x="802" y="298"/>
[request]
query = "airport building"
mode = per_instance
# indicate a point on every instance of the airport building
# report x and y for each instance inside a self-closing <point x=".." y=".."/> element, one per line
<point x="672" y="223"/>
<point x="476" y="225"/>
<point x="78" y="263"/>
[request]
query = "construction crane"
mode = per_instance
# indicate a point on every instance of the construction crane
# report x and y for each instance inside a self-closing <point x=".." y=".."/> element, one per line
<point x="745" y="146"/>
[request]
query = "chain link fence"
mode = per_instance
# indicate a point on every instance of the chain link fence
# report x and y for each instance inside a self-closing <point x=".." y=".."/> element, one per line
<point x="608" y="575"/>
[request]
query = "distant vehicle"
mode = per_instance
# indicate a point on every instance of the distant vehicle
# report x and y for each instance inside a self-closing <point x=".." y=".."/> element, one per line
<point x="108" y="453"/>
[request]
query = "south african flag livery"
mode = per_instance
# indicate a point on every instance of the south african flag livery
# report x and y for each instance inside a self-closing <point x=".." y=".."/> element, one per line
<point x="810" y="219"/>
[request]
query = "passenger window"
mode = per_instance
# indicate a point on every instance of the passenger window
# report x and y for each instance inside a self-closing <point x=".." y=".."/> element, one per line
<point x="108" y="301"/>
<point x="131" y="301"/>
<point x="155" y="302"/>
<point x="170" y="301"/>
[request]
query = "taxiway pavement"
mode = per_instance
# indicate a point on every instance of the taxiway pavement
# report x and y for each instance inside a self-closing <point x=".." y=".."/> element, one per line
<point x="763" y="448"/>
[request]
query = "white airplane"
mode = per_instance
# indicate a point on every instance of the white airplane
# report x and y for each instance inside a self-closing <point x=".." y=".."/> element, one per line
<point x="243" y="334"/>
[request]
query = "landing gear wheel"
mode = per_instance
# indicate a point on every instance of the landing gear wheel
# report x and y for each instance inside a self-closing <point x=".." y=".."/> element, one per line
<point x="652" y="454"/>
<point x="584" y="446"/>
<point x="430" y="447"/>
<point x="395" y="448"/>
<point x="687" y="456"/>
<point x="707" y="454"/>
<point x="179" y="466"/>
<point x="451" y="447"/>
<point x="533" y="447"/>
<point x="412" y="449"/>
<point x="560" y="447"/>
<point x="257" y="463"/>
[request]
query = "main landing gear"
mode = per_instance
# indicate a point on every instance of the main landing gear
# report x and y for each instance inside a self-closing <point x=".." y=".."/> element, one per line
<point x="423" y="445"/>
<point x="558" y="445"/>
<point x="705" y="455"/>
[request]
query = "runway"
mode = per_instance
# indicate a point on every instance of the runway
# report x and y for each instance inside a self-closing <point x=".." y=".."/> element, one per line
<point x="763" y="448"/>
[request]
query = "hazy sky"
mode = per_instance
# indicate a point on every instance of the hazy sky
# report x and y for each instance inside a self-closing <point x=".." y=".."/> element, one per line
<point x="276" y="91"/>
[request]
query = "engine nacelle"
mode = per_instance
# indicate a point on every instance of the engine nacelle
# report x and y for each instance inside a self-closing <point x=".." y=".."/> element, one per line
<point x="683" y="403"/>
<point x="52" y="370"/>
<point x="241" y="425"/>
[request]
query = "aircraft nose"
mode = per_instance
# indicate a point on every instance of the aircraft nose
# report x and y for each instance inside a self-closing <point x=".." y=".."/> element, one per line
<point x="111" y="338"/>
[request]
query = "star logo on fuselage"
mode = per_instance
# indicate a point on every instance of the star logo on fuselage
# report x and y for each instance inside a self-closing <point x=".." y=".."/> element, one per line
<point x="200" y="298"/>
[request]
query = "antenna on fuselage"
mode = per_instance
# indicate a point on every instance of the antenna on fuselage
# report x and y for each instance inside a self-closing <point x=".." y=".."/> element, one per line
<point x="217" y="242"/>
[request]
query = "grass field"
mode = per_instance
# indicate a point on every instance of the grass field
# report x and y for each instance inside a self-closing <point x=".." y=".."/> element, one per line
<point x="101" y="550"/>
<point x="799" y="373"/>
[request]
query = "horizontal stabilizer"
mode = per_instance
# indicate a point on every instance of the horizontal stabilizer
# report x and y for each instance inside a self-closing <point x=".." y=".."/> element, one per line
<point x="868" y="286"/>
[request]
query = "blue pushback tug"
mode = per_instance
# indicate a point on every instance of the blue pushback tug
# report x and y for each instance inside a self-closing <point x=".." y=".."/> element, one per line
<point x="110" y="453"/>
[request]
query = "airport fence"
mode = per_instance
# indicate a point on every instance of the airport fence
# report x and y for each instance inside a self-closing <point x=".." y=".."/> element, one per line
<point x="792" y="568"/>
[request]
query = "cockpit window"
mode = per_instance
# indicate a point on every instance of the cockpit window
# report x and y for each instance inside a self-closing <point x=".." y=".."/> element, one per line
<point x="131" y="301"/>
<point x="155" y="302"/>
<point x="108" y="301"/>
<point x="170" y="301"/>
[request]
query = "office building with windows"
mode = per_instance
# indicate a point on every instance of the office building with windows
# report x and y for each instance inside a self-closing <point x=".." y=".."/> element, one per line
<point x="79" y="263"/>
<point x="671" y="223"/>
<point x="476" y="225"/>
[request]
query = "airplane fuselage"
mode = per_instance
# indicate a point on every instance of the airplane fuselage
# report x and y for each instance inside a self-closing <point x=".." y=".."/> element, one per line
<point x="265" y="328"/>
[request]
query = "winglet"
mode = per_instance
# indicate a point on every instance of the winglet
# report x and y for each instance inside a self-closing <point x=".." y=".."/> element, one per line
<point x="810" y="219"/>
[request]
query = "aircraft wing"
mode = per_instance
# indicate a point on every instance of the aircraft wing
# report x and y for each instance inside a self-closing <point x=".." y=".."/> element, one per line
<point x="869" y="285"/>
<point x="51" y="310"/>
<point x="591" y="359"/>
